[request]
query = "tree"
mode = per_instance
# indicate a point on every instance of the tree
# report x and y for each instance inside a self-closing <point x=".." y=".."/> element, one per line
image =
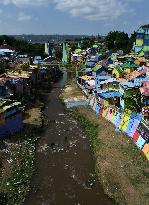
<point x="23" y="46"/>
<point x="117" y="40"/>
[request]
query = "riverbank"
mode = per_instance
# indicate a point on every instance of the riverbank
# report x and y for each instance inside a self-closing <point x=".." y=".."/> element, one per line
<point x="17" y="154"/>
<point x="121" y="168"/>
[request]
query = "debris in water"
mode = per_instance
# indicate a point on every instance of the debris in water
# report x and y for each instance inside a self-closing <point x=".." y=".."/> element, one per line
<point x="90" y="183"/>
<point x="43" y="148"/>
<point x="56" y="147"/>
<point x="66" y="166"/>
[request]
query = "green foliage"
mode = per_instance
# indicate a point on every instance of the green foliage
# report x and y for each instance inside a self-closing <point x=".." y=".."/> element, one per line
<point x="117" y="40"/>
<point x="133" y="100"/>
<point x="23" y="46"/>
<point x="90" y="128"/>
<point x="87" y="42"/>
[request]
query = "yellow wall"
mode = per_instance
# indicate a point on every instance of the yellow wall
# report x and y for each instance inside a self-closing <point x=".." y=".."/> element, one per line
<point x="127" y="70"/>
<point x="117" y="73"/>
<point x="139" y="42"/>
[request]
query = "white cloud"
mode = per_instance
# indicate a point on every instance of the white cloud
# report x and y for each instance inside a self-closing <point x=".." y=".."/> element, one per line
<point x="24" y="17"/>
<point x="88" y="9"/>
<point x="21" y="3"/>
<point x="95" y="9"/>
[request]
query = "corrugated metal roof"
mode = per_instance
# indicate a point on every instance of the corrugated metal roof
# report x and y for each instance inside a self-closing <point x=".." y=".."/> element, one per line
<point x="86" y="77"/>
<point x="128" y="84"/>
<point x="90" y="63"/>
<point x="110" y="94"/>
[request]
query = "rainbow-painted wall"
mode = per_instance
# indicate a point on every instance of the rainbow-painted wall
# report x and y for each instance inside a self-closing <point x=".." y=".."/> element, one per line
<point x="130" y="123"/>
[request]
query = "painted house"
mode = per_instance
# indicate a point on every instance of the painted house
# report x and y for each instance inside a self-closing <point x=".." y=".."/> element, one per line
<point x="142" y="41"/>
<point x="83" y="79"/>
<point x="110" y="84"/>
<point x="146" y="41"/>
<point x="110" y="97"/>
<point x="87" y="71"/>
<point x="37" y="60"/>
<point x="140" y="61"/>
<point x="11" y="117"/>
<point x="129" y="66"/>
<point x="139" y="40"/>
<point x="117" y="72"/>
<point x="90" y="63"/>
<point x="101" y="73"/>
<point x="100" y="70"/>
<point x="6" y="49"/>
<point x="20" y="82"/>
<point x="145" y="99"/>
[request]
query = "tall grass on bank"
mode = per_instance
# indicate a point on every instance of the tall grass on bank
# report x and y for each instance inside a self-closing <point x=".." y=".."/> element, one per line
<point x="90" y="128"/>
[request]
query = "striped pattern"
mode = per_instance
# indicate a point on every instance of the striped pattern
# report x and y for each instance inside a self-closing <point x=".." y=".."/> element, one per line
<point x="128" y="122"/>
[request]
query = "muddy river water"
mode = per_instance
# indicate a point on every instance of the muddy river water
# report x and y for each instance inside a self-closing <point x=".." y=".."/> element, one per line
<point x="65" y="167"/>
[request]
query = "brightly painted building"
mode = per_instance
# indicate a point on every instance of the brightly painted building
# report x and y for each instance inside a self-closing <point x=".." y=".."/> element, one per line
<point x="11" y="117"/>
<point x="142" y="41"/>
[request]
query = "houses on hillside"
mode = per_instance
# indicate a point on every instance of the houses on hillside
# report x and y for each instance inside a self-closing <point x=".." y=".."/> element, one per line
<point x="141" y="46"/>
<point x="122" y="81"/>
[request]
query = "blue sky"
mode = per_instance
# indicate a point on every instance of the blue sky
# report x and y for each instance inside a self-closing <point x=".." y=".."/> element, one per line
<point x="72" y="16"/>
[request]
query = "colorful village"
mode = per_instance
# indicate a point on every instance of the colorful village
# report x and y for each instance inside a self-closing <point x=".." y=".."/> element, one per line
<point x="112" y="86"/>
<point x="19" y="82"/>
<point x="117" y="87"/>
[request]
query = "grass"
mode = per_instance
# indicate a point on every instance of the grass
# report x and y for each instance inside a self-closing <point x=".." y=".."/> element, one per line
<point x="17" y="171"/>
<point x="90" y="128"/>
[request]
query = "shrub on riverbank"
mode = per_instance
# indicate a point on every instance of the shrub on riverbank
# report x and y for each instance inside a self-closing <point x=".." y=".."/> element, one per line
<point x="90" y="128"/>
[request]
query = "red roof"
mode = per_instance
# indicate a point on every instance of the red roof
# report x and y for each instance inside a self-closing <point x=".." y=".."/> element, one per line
<point x="6" y="47"/>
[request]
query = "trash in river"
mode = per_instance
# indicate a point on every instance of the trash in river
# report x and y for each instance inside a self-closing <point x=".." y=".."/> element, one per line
<point x="43" y="148"/>
<point x="90" y="183"/>
<point x="61" y="114"/>
<point x="73" y="144"/>
<point x="66" y="166"/>
<point x="10" y="161"/>
<point x="56" y="147"/>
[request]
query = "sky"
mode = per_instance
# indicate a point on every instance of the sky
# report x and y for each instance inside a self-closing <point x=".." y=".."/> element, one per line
<point x="89" y="17"/>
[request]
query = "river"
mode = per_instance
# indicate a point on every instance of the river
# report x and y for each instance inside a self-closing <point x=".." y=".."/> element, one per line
<point x="65" y="167"/>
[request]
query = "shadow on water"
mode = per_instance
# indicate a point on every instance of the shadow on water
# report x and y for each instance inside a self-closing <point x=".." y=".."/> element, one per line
<point x="65" y="166"/>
